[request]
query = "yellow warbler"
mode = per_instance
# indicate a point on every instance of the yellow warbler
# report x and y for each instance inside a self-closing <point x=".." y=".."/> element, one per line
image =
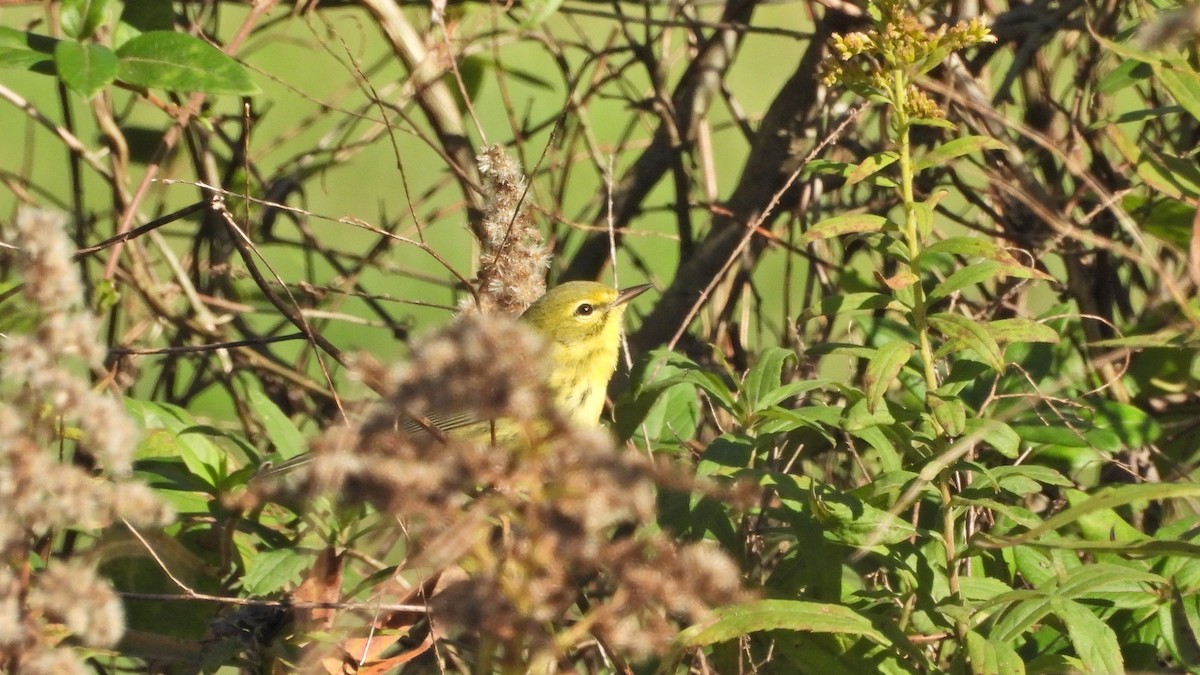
<point x="581" y="323"/>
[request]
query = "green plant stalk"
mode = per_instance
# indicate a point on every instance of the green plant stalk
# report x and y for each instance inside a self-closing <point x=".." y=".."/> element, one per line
<point x="920" y="322"/>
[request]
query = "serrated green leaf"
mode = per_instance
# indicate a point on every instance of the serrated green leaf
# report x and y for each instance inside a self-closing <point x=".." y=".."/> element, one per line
<point x="1086" y="581"/>
<point x="85" y="68"/>
<point x="1095" y="643"/>
<point x="735" y="621"/>
<point x="813" y="416"/>
<point x="179" y="62"/>
<point x="992" y="657"/>
<point x="81" y="18"/>
<point x="269" y="571"/>
<point x="845" y="224"/>
<point x="956" y="148"/>
<point x="968" y="333"/>
<point x="1179" y="623"/>
<point x="882" y="370"/>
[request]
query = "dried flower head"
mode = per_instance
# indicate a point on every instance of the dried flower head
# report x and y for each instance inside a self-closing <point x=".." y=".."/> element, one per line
<point x="53" y="429"/>
<point x="535" y="512"/>
<point x="513" y="258"/>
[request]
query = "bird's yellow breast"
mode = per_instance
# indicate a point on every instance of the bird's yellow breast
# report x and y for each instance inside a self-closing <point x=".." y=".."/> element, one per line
<point x="581" y="320"/>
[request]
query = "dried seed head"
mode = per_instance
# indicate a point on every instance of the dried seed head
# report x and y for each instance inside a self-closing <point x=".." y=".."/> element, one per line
<point x="513" y="258"/>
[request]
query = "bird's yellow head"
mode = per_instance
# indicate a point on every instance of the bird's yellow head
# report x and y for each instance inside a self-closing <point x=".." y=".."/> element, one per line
<point x="582" y="322"/>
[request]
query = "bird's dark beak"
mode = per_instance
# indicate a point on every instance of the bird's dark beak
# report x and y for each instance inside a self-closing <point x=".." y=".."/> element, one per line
<point x="630" y="293"/>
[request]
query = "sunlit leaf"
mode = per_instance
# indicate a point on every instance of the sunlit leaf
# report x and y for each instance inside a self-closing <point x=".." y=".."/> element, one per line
<point x="85" y="68"/>
<point x="845" y="224"/>
<point x="958" y="147"/>
<point x="735" y="621"/>
<point x="180" y="62"/>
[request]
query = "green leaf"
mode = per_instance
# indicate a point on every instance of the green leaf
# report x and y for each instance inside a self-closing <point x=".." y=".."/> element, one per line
<point x="858" y="417"/>
<point x="269" y="571"/>
<point x="833" y="305"/>
<point x="1097" y="578"/>
<point x="764" y="377"/>
<point x="1107" y="498"/>
<point x="979" y="272"/>
<point x="1170" y="176"/>
<point x="871" y="166"/>
<point x="970" y="247"/>
<point x="882" y="370"/>
<point x="203" y="458"/>
<point x="949" y="412"/>
<point x="1183" y="82"/>
<point x="938" y="122"/>
<point x="923" y="212"/>
<point x="674" y="414"/>
<point x="1051" y="434"/>
<point x="813" y="416"/>
<point x="957" y="148"/>
<point x="995" y="433"/>
<point x="143" y="16"/>
<point x="1126" y="73"/>
<point x="992" y="657"/>
<point x="1095" y="643"/>
<point x="968" y="333"/>
<point x="85" y="68"/>
<point x="889" y="457"/>
<point x="25" y="59"/>
<point x="1168" y="219"/>
<point x="1179" y="625"/>
<point x="284" y="434"/>
<point x="179" y="62"/>
<point x="735" y="621"/>
<point x="1133" y="426"/>
<point x="1020" y="330"/>
<point x="81" y="18"/>
<point x="851" y="521"/>
<point x="845" y="224"/>
<point x="26" y="51"/>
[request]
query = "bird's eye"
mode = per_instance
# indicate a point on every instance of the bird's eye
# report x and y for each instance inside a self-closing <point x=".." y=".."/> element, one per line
<point x="585" y="309"/>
